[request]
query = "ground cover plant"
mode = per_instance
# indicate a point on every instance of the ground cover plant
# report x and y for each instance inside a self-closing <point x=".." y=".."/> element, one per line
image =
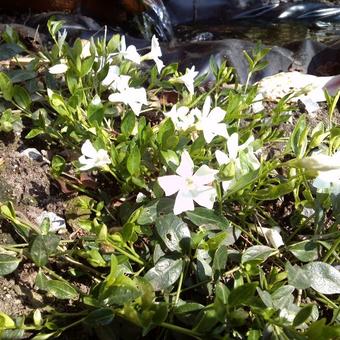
<point x="193" y="215"/>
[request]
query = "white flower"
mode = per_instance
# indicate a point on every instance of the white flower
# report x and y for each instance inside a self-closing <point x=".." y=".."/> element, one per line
<point x="233" y="156"/>
<point x="58" y="69"/>
<point x="181" y="117"/>
<point x="321" y="162"/>
<point x="154" y="54"/>
<point x="92" y="158"/>
<point x="130" y="52"/>
<point x="328" y="182"/>
<point x="210" y="121"/>
<point x="134" y="97"/>
<point x="96" y="100"/>
<point x="190" y="187"/>
<point x="114" y="80"/>
<point x="140" y="197"/>
<point x="272" y="235"/>
<point x="187" y="79"/>
<point x="57" y="223"/>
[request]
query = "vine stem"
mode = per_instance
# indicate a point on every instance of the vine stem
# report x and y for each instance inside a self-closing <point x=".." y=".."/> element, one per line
<point x="181" y="330"/>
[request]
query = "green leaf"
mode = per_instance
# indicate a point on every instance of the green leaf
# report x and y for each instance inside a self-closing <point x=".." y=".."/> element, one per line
<point x="242" y="294"/>
<point x="42" y="246"/>
<point x="220" y="258"/>
<point x="303" y="315"/>
<point x="222" y="292"/>
<point x="8" y="51"/>
<point x="298" y="139"/>
<point x="61" y="290"/>
<point x="305" y="251"/>
<point x="133" y="161"/>
<point x="203" y="216"/>
<point x="21" y="97"/>
<point x="121" y="294"/>
<point x="174" y="232"/>
<point x="6" y="322"/>
<point x="102" y="316"/>
<point x="86" y="66"/>
<point x="273" y="192"/>
<point x="324" y="278"/>
<point x="8" y="264"/>
<point x="41" y="280"/>
<point x="18" y="76"/>
<point x="257" y="253"/>
<point x="265" y="297"/>
<point x="152" y="210"/>
<point x="187" y="308"/>
<point x="58" y="165"/>
<point x="6" y="86"/>
<point x="128" y="123"/>
<point x="207" y="320"/>
<point x="165" y="273"/>
<point x="297" y="277"/>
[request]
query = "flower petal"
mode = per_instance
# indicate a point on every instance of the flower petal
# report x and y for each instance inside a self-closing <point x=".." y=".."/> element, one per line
<point x="88" y="150"/>
<point x="204" y="175"/>
<point x="186" y="167"/>
<point x="183" y="202"/>
<point x="217" y="114"/>
<point x="205" y="197"/>
<point x="58" y="69"/>
<point x="232" y="144"/>
<point x="221" y="157"/>
<point x="206" y="107"/>
<point x="170" y="184"/>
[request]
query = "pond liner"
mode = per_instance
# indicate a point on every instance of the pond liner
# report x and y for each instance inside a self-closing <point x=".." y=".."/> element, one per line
<point x="223" y="11"/>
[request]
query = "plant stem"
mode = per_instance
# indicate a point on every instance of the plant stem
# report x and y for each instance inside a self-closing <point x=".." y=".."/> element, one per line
<point x="332" y="250"/>
<point x="181" y="330"/>
<point x="124" y="252"/>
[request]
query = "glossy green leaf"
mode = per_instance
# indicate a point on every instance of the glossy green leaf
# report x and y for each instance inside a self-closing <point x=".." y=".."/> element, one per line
<point x="305" y="251"/>
<point x="297" y="277"/>
<point x="303" y="315"/>
<point x="165" y="273"/>
<point x="174" y="232"/>
<point x="8" y="264"/>
<point x="61" y="290"/>
<point x="242" y="294"/>
<point x="42" y="247"/>
<point x="203" y="216"/>
<point x="324" y="278"/>
<point x="21" y="97"/>
<point x="257" y="253"/>
<point x="8" y="51"/>
<point x="133" y="161"/>
<point x="6" y="86"/>
<point x="6" y="322"/>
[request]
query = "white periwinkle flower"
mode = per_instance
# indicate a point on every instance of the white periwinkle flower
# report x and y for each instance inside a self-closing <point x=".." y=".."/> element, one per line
<point x="129" y="52"/>
<point x="181" y="117"/>
<point x="328" y="182"/>
<point x="210" y="122"/>
<point x="114" y="80"/>
<point x="58" y="69"/>
<point x="57" y="223"/>
<point x="154" y="54"/>
<point x="328" y="169"/>
<point x="272" y="235"/>
<point x="91" y="158"/>
<point x="233" y="156"/>
<point x="134" y="97"/>
<point x="191" y="187"/>
<point x="187" y="79"/>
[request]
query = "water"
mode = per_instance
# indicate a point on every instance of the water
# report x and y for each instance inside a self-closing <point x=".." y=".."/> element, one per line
<point x="268" y="33"/>
<point x="157" y="18"/>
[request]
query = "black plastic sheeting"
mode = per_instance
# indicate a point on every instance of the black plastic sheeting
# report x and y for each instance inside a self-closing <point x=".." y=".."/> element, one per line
<point x="307" y="56"/>
<point x="222" y="11"/>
